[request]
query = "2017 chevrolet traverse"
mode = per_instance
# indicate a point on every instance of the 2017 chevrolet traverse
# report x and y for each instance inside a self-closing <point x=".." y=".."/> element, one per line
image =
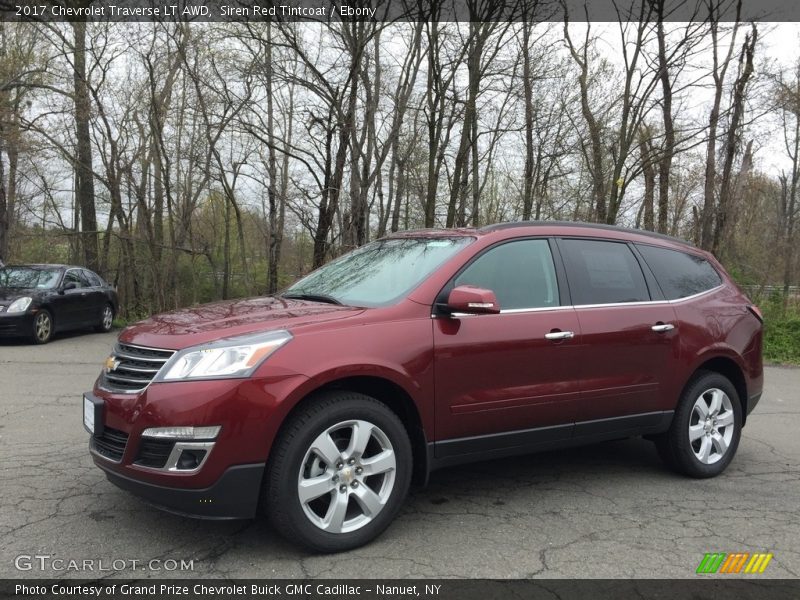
<point x="422" y="350"/>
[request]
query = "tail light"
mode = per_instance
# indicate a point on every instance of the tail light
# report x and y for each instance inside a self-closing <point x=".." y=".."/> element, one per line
<point x="756" y="312"/>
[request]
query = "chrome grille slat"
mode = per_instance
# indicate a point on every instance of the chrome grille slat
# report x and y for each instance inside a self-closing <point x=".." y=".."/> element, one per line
<point x="136" y="368"/>
<point x="116" y="377"/>
<point x="125" y="355"/>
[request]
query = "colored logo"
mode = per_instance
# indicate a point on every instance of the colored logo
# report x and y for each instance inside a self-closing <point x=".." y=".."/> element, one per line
<point x="111" y="364"/>
<point x="737" y="562"/>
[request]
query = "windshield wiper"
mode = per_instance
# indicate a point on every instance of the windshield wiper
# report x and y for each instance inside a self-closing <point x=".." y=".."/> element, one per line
<point x="313" y="298"/>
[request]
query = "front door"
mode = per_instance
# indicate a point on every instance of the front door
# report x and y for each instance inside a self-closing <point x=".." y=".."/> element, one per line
<point x="74" y="309"/>
<point x="507" y="380"/>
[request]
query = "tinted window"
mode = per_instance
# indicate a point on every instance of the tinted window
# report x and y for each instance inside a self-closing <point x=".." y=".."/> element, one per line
<point x="520" y="273"/>
<point x="74" y="276"/>
<point x="93" y="279"/>
<point x="680" y="274"/>
<point x="603" y="272"/>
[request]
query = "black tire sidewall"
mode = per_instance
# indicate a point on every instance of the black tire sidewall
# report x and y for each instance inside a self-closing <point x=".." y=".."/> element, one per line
<point x="679" y="445"/>
<point x="283" y="501"/>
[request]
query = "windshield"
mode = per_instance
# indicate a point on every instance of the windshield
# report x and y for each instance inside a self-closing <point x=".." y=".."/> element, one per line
<point x="379" y="273"/>
<point x="28" y="278"/>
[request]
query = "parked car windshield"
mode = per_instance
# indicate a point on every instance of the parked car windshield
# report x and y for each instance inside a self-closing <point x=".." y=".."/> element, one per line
<point x="379" y="273"/>
<point x="29" y="278"/>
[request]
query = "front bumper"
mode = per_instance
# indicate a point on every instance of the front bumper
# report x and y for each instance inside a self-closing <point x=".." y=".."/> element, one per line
<point x="233" y="496"/>
<point x="227" y="484"/>
<point x="16" y="325"/>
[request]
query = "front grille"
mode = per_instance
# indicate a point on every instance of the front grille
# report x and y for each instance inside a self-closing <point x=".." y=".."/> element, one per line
<point x="135" y="367"/>
<point x="154" y="453"/>
<point x="111" y="444"/>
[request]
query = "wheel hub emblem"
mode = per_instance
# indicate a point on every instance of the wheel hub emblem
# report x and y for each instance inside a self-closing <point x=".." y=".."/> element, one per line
<point x="348" y="475"/>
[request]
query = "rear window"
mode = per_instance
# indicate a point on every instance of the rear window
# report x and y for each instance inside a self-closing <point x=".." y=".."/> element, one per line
<point x="602" y="272"/>
<point x="680" y="274"/>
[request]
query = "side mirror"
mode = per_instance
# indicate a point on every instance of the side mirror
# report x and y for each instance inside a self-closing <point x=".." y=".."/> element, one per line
<point x="473" y="300"/>
<point x="69" y="286"/>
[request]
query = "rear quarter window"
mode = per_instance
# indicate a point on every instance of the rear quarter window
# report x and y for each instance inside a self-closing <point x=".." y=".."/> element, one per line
<point x="678" y="273"/>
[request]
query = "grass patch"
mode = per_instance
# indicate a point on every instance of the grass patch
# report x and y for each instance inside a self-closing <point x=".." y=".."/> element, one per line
<point x="781" y="334"/>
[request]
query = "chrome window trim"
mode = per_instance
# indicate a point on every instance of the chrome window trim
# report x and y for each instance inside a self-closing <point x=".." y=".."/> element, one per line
<point x="512" y="311"/>
<point x="698" y="294"/>
<point x="577" y="306"/>
<point x="650" y="302"/>
<point x="617" y="304"/>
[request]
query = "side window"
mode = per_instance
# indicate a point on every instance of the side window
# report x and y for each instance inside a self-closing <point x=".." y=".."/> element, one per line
<point x="94" y="280"/>
<point x="679" y="274"/>
<point x="74" y="276"/>
<point x="601" y="272"/>
<point x="520" y="273"/>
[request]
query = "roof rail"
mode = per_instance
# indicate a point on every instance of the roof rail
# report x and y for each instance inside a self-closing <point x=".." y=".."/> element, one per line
<point x="602" y="226"/>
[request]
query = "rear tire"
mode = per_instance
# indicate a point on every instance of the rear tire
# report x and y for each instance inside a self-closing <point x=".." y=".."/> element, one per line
<point x="338" y="473"/>
<point x="106" y="319"/>
<point x="706" y="428"/>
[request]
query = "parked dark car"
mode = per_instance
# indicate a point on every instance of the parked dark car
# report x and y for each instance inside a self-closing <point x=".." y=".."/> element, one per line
<point x="423" y="350"/>
<point x="37" y="301"/>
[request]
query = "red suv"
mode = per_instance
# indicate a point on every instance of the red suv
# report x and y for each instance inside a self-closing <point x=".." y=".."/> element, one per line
<point x="423" y="350"/>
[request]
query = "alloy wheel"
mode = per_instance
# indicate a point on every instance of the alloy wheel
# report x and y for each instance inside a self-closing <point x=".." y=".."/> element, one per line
<point x="347" y="476"/>
<point x="108" y="317"/>
<point x="711" y="426"/>
<point x="42" y="326"/>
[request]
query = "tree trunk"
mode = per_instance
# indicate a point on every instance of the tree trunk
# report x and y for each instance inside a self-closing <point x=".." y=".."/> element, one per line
<point x="84" y="176"/>
<point x="665" y="162"/>
<point x="649" y="174"/>
<point x="733" y="139"/>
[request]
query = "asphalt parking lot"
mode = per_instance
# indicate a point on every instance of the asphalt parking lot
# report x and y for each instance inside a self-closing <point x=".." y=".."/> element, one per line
<point x="610" y="510"/>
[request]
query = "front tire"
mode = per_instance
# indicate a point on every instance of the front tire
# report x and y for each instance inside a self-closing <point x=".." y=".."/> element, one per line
<point x="339" y="473"/>
<point x="42" y="327"/>
<point x="706" y="428"/>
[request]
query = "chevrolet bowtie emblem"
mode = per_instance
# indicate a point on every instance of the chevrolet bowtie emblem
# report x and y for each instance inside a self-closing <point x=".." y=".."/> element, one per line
<point x="111" y="364"/>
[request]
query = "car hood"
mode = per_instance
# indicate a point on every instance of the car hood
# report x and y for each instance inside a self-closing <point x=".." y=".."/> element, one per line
<point x="209" y="322"/>
<point x="8" y="295"/>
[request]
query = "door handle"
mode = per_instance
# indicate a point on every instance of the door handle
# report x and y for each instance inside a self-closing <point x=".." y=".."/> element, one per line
<point x="559" y="335"/>
<point x="662" y="327"/>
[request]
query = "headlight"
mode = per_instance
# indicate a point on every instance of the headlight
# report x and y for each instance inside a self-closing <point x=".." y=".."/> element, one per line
<point x="19" y="305"/>
<point x="233" y="357"/>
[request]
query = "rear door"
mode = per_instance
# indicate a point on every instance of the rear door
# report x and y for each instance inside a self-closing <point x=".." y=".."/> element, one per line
<point x="510" y="379"/>
<point x="96" y="299"/>
<point x="629" y="339"/>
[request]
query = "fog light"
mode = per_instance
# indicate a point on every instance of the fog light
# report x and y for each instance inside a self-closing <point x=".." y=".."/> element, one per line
<point x="189" y="460"/>
<point x="183" y="433"/>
